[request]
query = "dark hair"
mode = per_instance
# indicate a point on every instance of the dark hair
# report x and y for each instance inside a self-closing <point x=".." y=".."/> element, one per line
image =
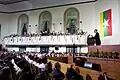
<point x="95" y="30"/>
<point x="20" y="64"/>
<point x="88" y="77"/>
<point x="5" y="73"/>
<point x="27" y="76"/>
<point x="105" y="73"/>
<point x="57" y="65"/>
<point x="49" y="66"/>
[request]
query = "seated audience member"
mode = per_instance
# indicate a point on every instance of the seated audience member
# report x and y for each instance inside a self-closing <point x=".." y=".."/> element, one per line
<point x="42" y="66"/>
<point x="77" y="76"/>
<point x="57" y="74"/>
<point x="49" y="70"/>
<point x="104" y="76"/>
<point x="70" y="72"/>
<point x="88" y="77"/>
<point x="5" y="74"/>
<point x="49" y="67"/>
<point x="26" y="73"/>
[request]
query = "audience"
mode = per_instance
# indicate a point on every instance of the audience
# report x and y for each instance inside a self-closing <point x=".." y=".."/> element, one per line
<point x="20" y="66"/>
<point x="44" y="33"/>
<point x="35" y="66"/>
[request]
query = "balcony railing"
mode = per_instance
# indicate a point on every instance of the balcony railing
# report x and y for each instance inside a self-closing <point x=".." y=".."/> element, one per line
<point x="47" y="40"/>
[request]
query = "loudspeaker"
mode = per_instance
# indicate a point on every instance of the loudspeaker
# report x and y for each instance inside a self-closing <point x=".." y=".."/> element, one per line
<point x="56" y="48"/>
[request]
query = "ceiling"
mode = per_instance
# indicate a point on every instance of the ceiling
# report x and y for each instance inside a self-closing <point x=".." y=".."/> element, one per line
<point x="7" y="6"/>
<point x="5" y="2"/>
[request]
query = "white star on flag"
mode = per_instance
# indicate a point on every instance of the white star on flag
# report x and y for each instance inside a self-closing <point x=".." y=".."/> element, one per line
<point x="106" y="23"/>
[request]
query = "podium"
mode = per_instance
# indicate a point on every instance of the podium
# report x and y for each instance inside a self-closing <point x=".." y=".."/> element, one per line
<point x="70" y="59"/>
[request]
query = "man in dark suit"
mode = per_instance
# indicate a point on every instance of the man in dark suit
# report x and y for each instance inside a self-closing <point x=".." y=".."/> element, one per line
<point x="97" y="37"/>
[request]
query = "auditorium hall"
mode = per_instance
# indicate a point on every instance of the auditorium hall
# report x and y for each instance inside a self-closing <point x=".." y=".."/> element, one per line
<point x="59" y="39"/>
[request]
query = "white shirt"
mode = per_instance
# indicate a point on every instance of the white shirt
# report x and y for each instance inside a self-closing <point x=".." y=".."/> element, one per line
<point x="42" y="66"/>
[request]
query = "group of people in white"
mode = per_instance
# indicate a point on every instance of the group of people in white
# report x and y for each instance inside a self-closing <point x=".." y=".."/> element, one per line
<point x="42" y="66"/>
<point x="52" y="39"/>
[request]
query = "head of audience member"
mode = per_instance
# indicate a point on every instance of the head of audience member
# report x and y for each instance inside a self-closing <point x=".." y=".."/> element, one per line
<point x="77" y="70"/>
<point x="88" y="77"/>
<point x="70" y="72"/>
<point x="49" y="67"/>
<point x="102" y="76"/>
<point x="6" y="74"/>
<point x="27" y="67"/>
<point x="26" y="76"/>
<point x="57" y="65"/>
<point x="21" y="64"/>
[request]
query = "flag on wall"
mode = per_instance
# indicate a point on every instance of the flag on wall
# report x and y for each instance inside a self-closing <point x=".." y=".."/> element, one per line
<point x="106" y="23"/>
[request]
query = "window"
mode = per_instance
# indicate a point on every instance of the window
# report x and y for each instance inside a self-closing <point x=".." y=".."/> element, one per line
<point x="45" y="21"/>
<point x="71" y="20"/>
<point x="23" y="22"/>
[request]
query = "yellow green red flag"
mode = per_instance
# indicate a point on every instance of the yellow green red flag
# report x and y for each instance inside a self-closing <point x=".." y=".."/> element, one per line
<point x="106" y="23"/>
